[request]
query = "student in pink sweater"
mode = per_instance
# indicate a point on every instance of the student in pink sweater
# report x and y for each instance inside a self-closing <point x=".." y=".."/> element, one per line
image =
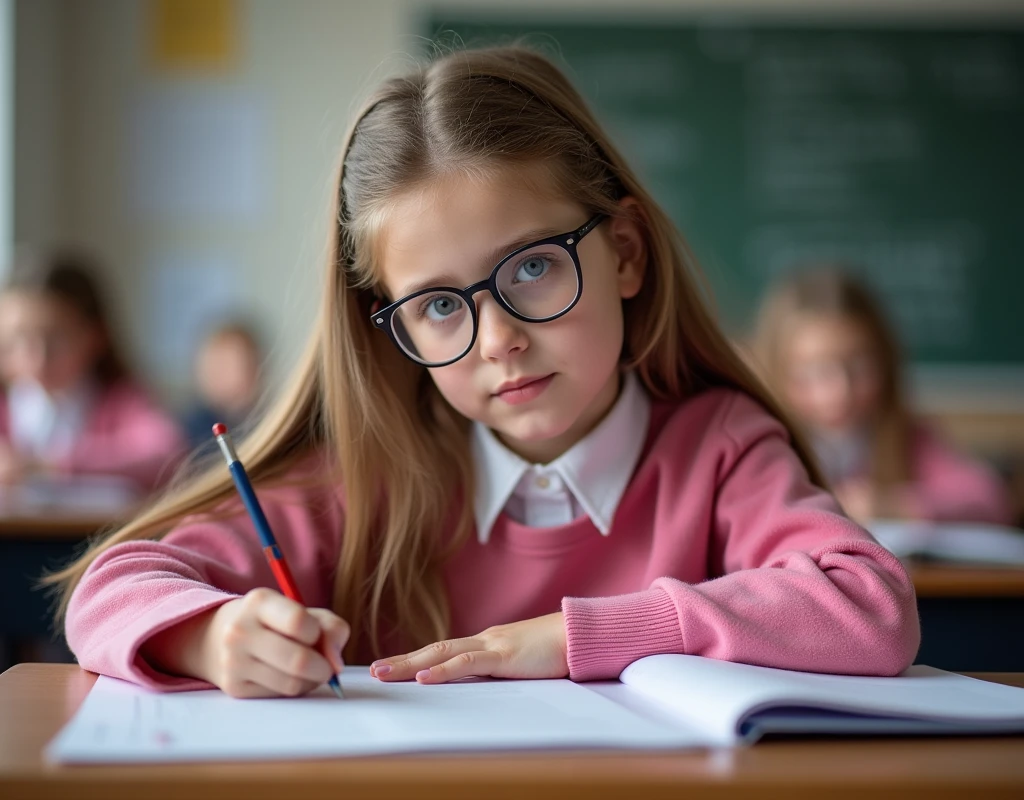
<point x="518" y="445"/>
<point x="69" y="405"/>
<point x="830" y="354"/>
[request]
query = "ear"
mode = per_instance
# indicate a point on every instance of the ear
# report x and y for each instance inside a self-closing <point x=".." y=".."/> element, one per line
<point x="627" y="235"/>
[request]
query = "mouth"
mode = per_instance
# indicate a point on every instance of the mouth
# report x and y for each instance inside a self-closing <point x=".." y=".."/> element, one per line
<point x="523" y="389"/>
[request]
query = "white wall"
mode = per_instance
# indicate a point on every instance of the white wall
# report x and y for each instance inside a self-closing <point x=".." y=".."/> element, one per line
<point x="83" y="65"/>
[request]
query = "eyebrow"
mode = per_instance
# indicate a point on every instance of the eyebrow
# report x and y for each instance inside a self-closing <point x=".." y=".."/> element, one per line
<point x="491" y="259"/>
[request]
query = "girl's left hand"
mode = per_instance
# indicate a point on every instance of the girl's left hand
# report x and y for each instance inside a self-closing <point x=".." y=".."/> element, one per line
<point x="534" y="648"/>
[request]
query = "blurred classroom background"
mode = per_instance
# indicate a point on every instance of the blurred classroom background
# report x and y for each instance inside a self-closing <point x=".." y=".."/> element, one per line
<point x="187" y="147"/>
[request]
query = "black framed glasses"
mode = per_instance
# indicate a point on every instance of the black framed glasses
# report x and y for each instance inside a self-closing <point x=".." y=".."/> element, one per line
<point x="537" y="282"/>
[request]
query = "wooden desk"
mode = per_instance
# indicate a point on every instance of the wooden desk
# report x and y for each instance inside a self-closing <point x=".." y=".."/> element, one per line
<point x="936" y="580"/>
<point x="37" y="699"/>
<point x="972" y="618"/>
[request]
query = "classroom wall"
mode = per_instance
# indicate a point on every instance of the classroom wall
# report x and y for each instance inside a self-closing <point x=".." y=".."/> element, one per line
<point x="84" y="67"/>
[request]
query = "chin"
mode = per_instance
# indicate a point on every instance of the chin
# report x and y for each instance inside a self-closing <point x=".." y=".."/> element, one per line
<point x="532" y="429"/>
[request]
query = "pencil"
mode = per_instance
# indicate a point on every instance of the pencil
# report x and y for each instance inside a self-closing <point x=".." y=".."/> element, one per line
<point x="274" y="554"/>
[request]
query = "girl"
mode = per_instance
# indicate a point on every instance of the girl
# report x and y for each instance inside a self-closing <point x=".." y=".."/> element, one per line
<point x="830" y="354"/>
<point x="517" y="435"/>
<point x="70" y="406"/>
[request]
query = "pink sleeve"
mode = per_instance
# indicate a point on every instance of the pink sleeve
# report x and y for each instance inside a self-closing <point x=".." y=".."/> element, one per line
<point x="803" y="587"/>
<point x="138" y="588"/>
<point x="948" y="486"/>
<point x="128" y="436"/>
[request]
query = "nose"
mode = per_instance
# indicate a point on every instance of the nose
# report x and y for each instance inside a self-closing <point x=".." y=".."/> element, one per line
<point x="499" y="334"/>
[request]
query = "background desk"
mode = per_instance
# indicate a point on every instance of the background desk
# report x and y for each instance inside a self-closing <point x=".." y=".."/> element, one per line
<point x="31" y="541"/>
<point x="972" y="618"/>
<point x="36" y="699"/>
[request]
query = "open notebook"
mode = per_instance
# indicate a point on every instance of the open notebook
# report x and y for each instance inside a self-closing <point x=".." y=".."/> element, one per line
<point x="660" y="702"/>
<point x="972" y="543"/>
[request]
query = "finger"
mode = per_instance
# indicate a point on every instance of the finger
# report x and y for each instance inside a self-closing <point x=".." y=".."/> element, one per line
<point x="278" y="683"/>
<point x="334" y="637"/>
<point x="472" y="662"/>
<point x="387" y="664"/>
<point x="289" y="657"/>
<point x="404" y="668"/>
<point x="285" y="616"/>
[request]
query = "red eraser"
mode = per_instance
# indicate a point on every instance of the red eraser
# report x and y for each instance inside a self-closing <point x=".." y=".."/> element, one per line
<point x="220" y="429"/>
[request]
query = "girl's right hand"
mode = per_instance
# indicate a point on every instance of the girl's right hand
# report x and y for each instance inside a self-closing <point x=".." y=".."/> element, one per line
<point x="259" y="645"/>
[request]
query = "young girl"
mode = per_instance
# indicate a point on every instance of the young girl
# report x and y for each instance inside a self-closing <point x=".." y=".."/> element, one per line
<point x="830" y="354"/>
<point x="518" y="445"/>
<point x="70" y="406"/>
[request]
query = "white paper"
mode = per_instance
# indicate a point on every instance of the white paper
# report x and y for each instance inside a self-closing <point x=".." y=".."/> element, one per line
<point x="717" y="696"/>
<point x="120" y="722"/>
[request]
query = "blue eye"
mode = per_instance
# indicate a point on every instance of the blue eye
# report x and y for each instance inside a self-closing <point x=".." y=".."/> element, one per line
<point x="531" y="268"/>
<point x="440" y="307"/>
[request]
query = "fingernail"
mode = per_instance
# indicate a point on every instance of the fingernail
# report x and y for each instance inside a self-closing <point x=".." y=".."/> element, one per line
<point x="423" y="674"/>
<point x="382" y="670"/>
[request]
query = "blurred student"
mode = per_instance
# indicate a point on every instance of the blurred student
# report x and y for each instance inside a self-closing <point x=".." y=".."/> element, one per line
<point x="228" y="381"/>
<point x="70" y="405"/>
<point x="830" y="354"/>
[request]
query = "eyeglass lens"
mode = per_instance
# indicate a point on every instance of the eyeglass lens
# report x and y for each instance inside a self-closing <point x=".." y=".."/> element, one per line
<point x="538" y="283"/>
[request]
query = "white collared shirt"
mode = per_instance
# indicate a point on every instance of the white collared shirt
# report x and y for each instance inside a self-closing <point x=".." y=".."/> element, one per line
<point x="589" y="478"/>
<point x="46" y="426"/>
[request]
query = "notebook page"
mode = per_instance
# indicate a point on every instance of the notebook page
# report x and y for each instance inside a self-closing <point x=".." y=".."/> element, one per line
<point x="717" y="695"/>
<point x="966" y="543"/>
<point x="120" y="722"/>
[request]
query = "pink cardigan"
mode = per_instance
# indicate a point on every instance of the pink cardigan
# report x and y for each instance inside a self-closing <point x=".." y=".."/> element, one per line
<point x="721" y="547"/>
<point x="948" y="486"/>
<point x="125" y="434"/>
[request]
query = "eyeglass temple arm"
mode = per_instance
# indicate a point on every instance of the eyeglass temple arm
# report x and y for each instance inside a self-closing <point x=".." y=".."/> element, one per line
<point x="589" y="226"/>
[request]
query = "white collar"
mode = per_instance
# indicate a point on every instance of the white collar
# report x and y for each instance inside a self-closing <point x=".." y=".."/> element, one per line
<point x="596" y="469"/>
<point x="45" y="425"/>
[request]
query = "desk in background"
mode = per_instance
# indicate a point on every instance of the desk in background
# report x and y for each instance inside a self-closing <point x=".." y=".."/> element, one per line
<point x="37" y="536"/>
<point x="972" y="618"/>
<point x="37" y="699"/>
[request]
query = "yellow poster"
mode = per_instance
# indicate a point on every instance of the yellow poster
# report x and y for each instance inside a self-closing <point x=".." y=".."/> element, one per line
<point x="194" y="35"/>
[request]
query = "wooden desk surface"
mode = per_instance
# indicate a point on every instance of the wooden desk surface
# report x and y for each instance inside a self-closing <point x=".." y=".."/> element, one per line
<point x="56" y="527"/>
<point x="940" y="580"/>
<point x="37" y="699"/>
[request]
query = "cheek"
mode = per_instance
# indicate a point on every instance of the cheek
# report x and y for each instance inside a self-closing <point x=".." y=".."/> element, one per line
<point x="455" y="383"/>
<point x="869" y="395"/>
<point x="809" y="397"/>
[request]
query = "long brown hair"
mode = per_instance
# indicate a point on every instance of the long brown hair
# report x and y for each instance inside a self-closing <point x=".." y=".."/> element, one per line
<point x="402" y="449"/>
<point x="833" y="291"/>
<point x="71" y="278"/>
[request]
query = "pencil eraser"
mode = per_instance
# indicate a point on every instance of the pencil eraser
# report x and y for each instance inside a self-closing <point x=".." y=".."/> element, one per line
<point x="220" y="429"/>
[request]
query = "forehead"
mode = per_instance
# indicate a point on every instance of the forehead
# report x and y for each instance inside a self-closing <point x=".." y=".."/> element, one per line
<point x="18" y="306"/>
<point x="449" y="229"/>
<point x="827" y="336"/>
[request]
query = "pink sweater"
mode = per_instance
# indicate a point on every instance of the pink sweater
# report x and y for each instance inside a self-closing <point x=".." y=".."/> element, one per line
<point x="125" y="434"/>
<point x="721" y="547"/>
<point x="948" y="486"/>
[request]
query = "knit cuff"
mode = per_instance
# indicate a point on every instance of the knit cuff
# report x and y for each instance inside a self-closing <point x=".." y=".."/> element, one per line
<point x="604" y="635"/>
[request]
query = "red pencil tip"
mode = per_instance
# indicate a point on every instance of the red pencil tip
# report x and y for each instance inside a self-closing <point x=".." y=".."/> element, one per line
<point x="220" y="429"/>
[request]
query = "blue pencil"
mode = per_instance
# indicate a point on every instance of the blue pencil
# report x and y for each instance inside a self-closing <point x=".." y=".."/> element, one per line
<point x="275" y="557"/>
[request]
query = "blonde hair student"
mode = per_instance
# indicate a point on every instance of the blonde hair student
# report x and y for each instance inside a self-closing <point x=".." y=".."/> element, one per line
<point x="832" y="357"/>
<point x="518" y="444"/>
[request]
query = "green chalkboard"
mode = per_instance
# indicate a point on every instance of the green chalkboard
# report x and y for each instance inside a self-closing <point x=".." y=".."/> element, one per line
<point x="899" y="152"/>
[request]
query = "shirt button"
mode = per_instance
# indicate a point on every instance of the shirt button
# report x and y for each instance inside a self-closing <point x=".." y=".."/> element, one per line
<point x="543" y="482"/>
